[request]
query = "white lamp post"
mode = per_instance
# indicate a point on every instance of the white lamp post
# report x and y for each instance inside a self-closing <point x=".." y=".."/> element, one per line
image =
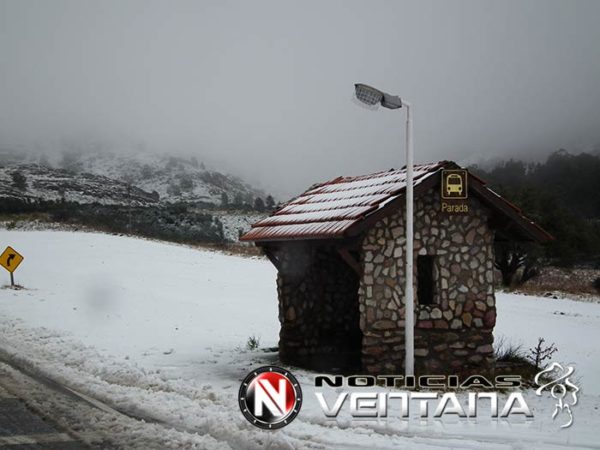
<point x="371" y="96"/>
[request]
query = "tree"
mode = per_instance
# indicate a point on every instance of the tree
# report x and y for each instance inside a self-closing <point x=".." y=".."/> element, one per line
<point x="541" y="352"/>
<point x="224" y="200"/>
<point x="270" y="202"/>
<point x="71" y="161"/>
<point x="238" y="199"/>
<point x="171" y="163"/>
<point x="186" y="183"/>
<point x="562" y="195"/>
<point x="517" y="263"/>
<point x="18" y="180"/>
<point x="43" y="161"/>
<point x="174" y="190"/>
<point x="259" y="205"/>
<point x="146" y="172"/>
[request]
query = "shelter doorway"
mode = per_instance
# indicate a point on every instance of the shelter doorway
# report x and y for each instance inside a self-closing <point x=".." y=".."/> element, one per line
<point x="340" y="330"/>
<point x="319" y="309"/>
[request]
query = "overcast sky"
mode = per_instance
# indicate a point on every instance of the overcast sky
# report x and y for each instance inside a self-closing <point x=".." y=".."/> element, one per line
<point x="265" y="87"/>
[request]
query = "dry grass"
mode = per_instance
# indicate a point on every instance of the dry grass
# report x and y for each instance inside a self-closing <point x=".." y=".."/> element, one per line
<point x="15" y="287"/>
<point x="573" y="281"/>
<point x="511" y="359"/>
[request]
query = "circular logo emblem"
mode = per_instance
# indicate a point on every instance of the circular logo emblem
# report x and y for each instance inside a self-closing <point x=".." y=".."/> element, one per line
<point x="270" y="397"/>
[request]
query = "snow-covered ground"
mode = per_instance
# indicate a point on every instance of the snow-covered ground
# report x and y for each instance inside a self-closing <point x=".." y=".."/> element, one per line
<point x="159" y="330"/>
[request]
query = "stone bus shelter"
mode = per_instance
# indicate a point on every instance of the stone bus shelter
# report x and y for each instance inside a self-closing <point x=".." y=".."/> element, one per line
<point x="339" y="252"/>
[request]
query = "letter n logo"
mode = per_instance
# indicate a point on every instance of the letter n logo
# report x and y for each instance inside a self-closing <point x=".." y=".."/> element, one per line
<point x="270" y="397"/>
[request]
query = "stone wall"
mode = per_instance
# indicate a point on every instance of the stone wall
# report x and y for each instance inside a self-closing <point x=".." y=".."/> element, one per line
<point x="318" y="309"/>
<point x="454" y="335"/>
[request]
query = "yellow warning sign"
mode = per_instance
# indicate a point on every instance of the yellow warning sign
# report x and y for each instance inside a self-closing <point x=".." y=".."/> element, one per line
<point x="10" y="259"/>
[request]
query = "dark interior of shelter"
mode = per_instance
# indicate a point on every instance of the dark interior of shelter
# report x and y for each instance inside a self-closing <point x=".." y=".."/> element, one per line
<point x="319" y="309"/>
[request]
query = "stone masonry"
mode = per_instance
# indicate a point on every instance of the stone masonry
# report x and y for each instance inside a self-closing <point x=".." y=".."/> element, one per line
<point x="453" y="335"/>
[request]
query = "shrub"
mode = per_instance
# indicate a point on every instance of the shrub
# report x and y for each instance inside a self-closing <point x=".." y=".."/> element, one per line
<point x="508" y="352"/>
<point x="540" y="353"/>
<point x="253" y="343"/>
<point x="18" y="180"/>
<point x="596" y="284"/>
<point x="512" y="360"/>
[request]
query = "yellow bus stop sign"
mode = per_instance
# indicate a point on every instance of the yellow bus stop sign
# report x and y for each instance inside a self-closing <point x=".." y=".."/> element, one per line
<point x="10" y="259"/>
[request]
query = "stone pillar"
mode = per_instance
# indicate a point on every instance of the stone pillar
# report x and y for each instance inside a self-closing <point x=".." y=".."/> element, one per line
<point x="452" y="335"/>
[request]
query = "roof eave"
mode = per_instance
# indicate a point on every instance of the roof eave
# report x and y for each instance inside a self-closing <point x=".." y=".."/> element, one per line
<point x="506" y="210"/>
<point x="268" y="240"/>
<point x="510" y="211"/>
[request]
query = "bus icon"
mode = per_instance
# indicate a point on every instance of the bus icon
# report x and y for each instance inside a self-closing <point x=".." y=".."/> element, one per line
<point x="454" y="184"/>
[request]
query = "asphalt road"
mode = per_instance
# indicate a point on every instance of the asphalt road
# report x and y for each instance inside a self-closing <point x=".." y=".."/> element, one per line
<point x="21" y="428"/>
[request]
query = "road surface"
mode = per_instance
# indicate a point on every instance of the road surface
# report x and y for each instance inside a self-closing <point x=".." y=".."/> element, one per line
<point x="22" y="428"/>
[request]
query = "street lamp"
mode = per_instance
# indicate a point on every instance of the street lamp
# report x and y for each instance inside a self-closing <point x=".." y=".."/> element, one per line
<point x="371" y="96"/>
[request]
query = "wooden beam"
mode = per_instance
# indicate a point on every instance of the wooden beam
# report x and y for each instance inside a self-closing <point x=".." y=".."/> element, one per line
<point x="349" y="259"/>
<point x="269" y="254"/>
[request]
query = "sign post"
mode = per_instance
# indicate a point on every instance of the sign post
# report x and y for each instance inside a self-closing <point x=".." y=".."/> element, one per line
<point x="10" y="260"/>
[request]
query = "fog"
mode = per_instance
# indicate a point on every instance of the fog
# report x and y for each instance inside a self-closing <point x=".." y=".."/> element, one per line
<point x="264" y="88"/>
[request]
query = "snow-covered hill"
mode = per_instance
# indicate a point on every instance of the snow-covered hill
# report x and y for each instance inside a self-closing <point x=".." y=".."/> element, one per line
<point x="34" y="181"/>
<point x="173" y="178"/>
<point x="120" y="178"/>
<point x="159" y="330"/>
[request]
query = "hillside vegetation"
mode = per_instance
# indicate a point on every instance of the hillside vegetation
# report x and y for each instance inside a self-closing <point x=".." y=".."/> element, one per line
<point x="165" y="197"/>
<point x="562" y="194"/>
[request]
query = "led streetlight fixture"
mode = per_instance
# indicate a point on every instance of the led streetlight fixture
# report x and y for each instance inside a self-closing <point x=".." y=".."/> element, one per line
<point x="367" y="94"/>
<point x="371" y="96"/>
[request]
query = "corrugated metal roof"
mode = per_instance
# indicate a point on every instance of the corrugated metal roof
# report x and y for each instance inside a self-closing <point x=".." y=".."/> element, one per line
<point x="328" y="210"/>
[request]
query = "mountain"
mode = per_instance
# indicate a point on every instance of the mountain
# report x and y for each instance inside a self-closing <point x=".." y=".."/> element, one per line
<point x="36" y="182"/>
<point x="174" y="178"/>
<point x="152" y="195"/>
<point x="111" y="178"/>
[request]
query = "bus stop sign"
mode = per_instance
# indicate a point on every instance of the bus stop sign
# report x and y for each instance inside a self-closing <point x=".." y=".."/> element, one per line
<point x="455" y="191"/>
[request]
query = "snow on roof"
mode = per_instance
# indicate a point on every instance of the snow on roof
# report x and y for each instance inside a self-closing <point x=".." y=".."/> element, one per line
<point x="329" y="209"/>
